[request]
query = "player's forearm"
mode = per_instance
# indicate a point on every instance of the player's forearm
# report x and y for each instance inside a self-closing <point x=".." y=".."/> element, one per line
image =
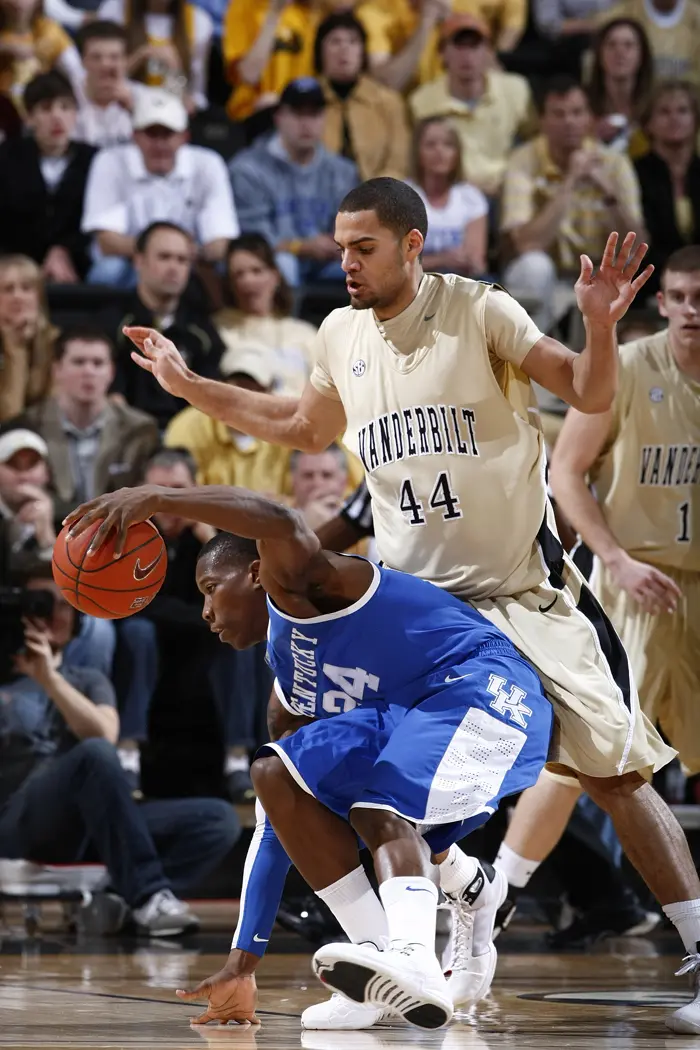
<point x="583" y="512"/>
<point x="264" y="875"/>
<point x="230" y="509"/>
<point x="595" y="369"/>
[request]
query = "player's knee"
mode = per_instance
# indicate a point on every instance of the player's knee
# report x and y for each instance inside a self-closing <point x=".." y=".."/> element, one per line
<point x="376" y="827"/>
<point x="608" y="791"/>
<point x="269" y="778"/>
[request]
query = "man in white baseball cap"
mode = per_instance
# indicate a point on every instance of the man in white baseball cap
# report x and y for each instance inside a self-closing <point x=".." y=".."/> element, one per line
<point x="157" y="177"/>
<point x="27" y="531"/>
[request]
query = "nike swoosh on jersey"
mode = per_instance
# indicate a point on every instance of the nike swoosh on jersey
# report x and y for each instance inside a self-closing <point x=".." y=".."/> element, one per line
<point x="261" y="940"/>
<point x="429" y="317"/>
<point x="546" y="608"/>
<point x="459" y="677"/>
<point x="142" y="571"/>
<point x="416" y="889"/>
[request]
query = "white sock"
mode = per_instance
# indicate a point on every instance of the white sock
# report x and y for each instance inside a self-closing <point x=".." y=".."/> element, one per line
<point x="411" y="910"/>
<point x="685" y="916"/>
<point x="129" y="759"/>
<point x="518" y="870"/>
<point x="236" y="764"/>
<point x="357" y="908"/>
<point x="457" y="871"/>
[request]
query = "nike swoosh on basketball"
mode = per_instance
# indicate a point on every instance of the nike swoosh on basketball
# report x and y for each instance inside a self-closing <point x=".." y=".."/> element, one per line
<point x="142" y="571"/>
<point x="546" y="608"/>
<point x="459" y="677"/>
<point x="261" y="940"/>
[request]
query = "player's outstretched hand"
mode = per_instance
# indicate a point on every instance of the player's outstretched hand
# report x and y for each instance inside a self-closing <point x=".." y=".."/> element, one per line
<point x="161" y="358"/>
<point x="231" y="997"/>
<point x="606" y="296"/>
<point x="117" y="511"/>
<point x="654" y="590"/>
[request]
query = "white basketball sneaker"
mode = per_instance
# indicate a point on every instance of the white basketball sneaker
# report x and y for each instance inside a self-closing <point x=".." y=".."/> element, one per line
<point x="339" y="1014"/>
<point x="405" y="978"/>
<point x="686" y="1020"/>
<point x="470" y="958"/>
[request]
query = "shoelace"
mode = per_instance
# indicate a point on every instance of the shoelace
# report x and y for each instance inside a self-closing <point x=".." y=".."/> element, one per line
<point x="691" y="964"/>
<point x="462" y="929"/>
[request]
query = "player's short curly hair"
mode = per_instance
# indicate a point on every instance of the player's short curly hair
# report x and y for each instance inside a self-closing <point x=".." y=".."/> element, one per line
<point x="397" y="205"/>
<point x="227" y="549"/>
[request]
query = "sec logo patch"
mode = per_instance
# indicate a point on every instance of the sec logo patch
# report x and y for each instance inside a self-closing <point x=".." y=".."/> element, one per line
<point x="358" y="369"/>
<point x="656" y="394"/>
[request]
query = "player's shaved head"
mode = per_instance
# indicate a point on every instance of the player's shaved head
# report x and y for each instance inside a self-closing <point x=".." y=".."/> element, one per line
<point x="235" y="604"/>
<point x="227" y="550"/>
<point x="396" y="205"/>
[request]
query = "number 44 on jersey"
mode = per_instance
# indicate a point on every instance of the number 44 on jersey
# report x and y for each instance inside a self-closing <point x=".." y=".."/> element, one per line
<point x="441" y="498"/>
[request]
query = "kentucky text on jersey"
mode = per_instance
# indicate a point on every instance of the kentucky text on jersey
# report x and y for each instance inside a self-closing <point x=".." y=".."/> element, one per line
<point x="669" y="465"/>
<point x="305" y="676"/>
<point x="421" y="430"/>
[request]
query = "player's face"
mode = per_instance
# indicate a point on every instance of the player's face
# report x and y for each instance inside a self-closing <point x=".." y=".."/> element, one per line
<point x="85" y="372"/>
<point x="164" y="265"/>
<point x="679" y="301"/>
<point x="53" y="123"/>
<point x="234" y="602"/>
<point x="376" y="264"/>
<point x="566" y="119"/>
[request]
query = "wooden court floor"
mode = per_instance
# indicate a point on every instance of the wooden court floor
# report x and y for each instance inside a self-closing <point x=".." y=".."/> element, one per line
<point x="614" y="999"/>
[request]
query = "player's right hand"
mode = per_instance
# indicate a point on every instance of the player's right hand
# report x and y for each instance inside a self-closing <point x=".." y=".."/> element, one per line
<point x="161" y="358"/>
<point x="231" y="997"/>
<point x="654" y="590"/>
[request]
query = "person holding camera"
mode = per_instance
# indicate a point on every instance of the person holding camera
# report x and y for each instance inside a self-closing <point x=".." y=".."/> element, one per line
<point x="63" y="795"/>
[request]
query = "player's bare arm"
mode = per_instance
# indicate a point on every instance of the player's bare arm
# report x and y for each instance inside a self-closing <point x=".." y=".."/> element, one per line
<point x="588" y="380"/>
<point x="309" y="423"/>
<point x="580" y="442"/>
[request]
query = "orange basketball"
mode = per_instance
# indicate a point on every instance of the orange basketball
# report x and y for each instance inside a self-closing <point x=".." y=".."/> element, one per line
<point x="105" y="586"/>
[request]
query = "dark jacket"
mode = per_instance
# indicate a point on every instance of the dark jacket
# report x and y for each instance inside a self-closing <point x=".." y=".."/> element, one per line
<point x="193" y="334"/>
<point x="659" y="212"/>
<point x="32" y="217"/>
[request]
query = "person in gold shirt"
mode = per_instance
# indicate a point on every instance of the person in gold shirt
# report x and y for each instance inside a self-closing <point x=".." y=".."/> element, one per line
<point x="641" y="519"/>
<point x="30" y="43"/>
<point x="673" y="28"/>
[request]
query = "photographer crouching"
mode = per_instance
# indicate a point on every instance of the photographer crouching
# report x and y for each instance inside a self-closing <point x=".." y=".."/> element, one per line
<point x="63" y="794"/>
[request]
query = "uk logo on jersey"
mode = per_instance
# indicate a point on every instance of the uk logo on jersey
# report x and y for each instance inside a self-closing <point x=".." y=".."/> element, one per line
<point x="509" y="703"/>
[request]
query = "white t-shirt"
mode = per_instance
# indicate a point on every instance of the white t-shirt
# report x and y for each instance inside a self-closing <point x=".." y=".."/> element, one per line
<point x="446" y="226"/>
<point x="123" y="197"/>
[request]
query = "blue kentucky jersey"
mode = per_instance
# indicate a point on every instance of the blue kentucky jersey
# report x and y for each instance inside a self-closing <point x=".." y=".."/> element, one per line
<point x="384" y="648"/>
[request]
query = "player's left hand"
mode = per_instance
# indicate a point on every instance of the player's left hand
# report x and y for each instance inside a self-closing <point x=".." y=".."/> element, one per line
<point x="606" y="296"/>
<point x="231" y="997"/>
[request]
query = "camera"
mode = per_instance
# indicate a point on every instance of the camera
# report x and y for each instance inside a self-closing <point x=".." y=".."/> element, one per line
<point x="17" y="604"/>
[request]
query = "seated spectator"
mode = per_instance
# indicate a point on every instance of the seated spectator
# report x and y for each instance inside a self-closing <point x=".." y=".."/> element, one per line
<point x="163" y="261"/>
<point x="258" y="319"/>
<point x="27" y="532"/>
<point x="157" y="177"/>
<point x="488" y="108"/>
<point x="170" y="641"/>
<point x="26" y="336"/>
<point x="319" y="484"/>
<point x="669" y="174"/>
<point x="30" y="44"/>
<point x="61" y="785"/>
<point x="288" y="187"/>
<point x="673" y="30"/>
<point x="108" y="97"/>
<point x="620" y="83"/>
<point x="563" y="193"/>
<point x="42" y="183"/>
<point x="457" y="212"/>
<point x="95" y="445"/>
<point x="168" y="44"/>
<point x="223" y="455"/>
<point x="365" y="121"/>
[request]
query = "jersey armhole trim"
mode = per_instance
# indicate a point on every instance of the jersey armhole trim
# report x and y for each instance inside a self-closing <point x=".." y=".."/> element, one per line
<point x="279" y="693"/>
<point x="355" y="607"/>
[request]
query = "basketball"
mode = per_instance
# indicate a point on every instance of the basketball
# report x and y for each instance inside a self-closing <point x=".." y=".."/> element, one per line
<point x="100" y="584"/>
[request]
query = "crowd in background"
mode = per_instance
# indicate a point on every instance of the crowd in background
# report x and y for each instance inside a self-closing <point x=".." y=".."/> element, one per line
<point x="179" y="165"/>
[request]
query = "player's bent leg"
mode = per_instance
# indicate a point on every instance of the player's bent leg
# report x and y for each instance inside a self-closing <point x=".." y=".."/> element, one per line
<point x="655" y="844"/>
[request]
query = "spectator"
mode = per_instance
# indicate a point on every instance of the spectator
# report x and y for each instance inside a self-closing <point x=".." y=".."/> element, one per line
<point x="61" y="785"/>
<point x="568" y="26"/>
<point x="168" y="44"/>
<point x="365" y="121"/>
<point x="95" y="445"/>
<point x="197" y="665"/>
<point x="104" y="118"/>
<point x="673" y="30"/>
<point x="563" y="194"/>
<point x="259" y="319"/>
<point x="223" y="455"/>
<point x="27" y="532"/>
<point x="669" y="174"/>
<point x="288" y="187"/>
<point x="42" y="183"/>
<point x="457" y="212"/>
<point x="620" y="83"/>
<point x="163" y="262"/>
<point x="319" y="484"/>
<point x="157" y="177"/>
<point x="26" y="336"/>
<point x="489" y="109"/>
<point x="30" y="44"/>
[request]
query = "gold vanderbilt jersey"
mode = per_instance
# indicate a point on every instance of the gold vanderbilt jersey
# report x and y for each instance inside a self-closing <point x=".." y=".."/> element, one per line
<point x="647" y="477"/>
<point x="446" y="426"/>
